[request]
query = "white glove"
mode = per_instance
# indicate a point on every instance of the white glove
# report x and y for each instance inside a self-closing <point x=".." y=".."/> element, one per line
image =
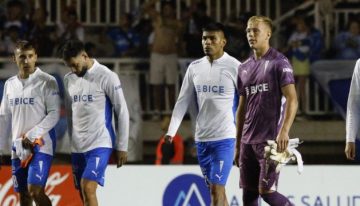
<point x="20" y="151"/>
<point x="281" y="159"/>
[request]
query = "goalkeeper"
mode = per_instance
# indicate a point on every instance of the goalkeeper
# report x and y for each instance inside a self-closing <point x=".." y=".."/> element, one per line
<point x="267" y="108"/>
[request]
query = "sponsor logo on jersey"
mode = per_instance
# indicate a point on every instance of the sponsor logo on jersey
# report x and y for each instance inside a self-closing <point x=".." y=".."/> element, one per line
<point x="83" y="98"/>
<point x="210" y="89"/>
<point x="287" y="70"/>
<point x="22" y="101"/>
<point x="254" y="89"/>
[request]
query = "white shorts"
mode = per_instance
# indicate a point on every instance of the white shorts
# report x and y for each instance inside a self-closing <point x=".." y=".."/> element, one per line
<point x="163" y="68"/>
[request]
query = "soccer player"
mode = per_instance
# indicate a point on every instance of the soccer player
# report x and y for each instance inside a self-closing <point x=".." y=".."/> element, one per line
<point x="29" y="111"/>
<point x="266" y="111"/>
<point x="353" y="113"/>
<point x="92" y="92"/>
<point x="211" y="82"/>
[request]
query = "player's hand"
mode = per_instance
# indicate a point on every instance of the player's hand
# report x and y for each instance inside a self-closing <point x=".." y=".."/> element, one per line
<point x="121" y="158"/>
<point x="27" y="144"/>
<point x="282" y="141"/>
<point x="168" y="139"/>
<point x="350" y="150"/>
<point x="237" y="156"/>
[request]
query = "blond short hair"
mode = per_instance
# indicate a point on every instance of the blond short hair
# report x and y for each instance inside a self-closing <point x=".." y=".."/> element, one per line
<point x="263" y="19"/>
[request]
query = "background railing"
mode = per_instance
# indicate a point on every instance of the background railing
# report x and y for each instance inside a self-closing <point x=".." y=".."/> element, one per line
<point x="317" y="103"/>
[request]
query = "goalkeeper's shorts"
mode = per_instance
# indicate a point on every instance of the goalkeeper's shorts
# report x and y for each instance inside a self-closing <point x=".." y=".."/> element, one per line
<point x="255" y="171"/>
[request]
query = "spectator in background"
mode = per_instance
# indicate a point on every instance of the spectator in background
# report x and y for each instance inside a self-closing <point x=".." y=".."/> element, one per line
<point x="193" y="30"/>
<point x="169" y="153"/>
<point x="316" y="41"/>
<point x="98" y="43"/>
<point x="165" y="45"/>
<point x="124" y="37"/>
<point x="15" y="16"/>
<point x="40" y="34"/>
<point x="299" y="49"/>
<point x="11" y="35"/>
<point x="70" y="27"/>
<point x="237" y="45"/>
<point x="347" y="43"/>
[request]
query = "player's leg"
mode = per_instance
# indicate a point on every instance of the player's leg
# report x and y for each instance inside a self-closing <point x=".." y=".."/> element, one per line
<point x="222" y="162"/>
<point x="94" y="174"/>
<point x="39" y="196"/>
<point x="78" y="163"/>
<point x="19" y="177"/>
<point x="88" y="189"/>
<point x="25" y="199"/>
<point x="268" y="179"/>
<point x="219" y="160"/>
<point x="249" y="175"/>
<point x="39" y="168"/>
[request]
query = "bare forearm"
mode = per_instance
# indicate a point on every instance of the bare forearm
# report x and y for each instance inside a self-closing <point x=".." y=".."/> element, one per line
<point x="240" y="119"/>
<point x="289" y="116"/>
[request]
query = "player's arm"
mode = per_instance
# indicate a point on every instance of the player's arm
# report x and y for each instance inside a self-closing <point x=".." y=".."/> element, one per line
<point x="240" y="119"/>
<point x="289" y="93"/>
<point x="5" y="123"/>
<point x="186" y="95"/>
<point x="114" y="91"/>
<point x="149" y="9"/>
<point x="353" y="113"/>
<point x="52" y="105"/>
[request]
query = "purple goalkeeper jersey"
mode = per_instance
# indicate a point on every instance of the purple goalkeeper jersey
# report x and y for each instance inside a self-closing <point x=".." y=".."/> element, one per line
<point x="260" y="81"/>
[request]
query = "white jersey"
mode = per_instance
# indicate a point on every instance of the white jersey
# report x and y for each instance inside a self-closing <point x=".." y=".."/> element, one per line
<point x="213" y="86"/>
<point x="30" y="107"/>
<point x="353" y="106"/>
<point x="90" y="101"/>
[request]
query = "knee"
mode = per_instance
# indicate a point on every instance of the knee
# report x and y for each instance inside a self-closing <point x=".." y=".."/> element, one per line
<point x="88" y="188"/>
<point x="35" y="191"/>
<point x="264" y="191"/>
<point x="217" y="191"/>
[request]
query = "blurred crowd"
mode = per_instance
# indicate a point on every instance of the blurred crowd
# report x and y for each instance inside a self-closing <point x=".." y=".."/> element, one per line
<point x="134" y="35"/>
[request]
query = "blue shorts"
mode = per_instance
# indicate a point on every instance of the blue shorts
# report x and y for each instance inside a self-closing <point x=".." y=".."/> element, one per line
<point x="36" y="173"/>
<point x="90" y="165"/>
<point x="216" y="159"/>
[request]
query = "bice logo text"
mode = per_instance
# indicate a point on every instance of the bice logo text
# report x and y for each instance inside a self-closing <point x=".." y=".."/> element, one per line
<point x="254" y="89"/>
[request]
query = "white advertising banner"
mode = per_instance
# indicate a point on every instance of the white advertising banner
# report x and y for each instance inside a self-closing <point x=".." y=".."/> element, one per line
<point x="184" y="186"/>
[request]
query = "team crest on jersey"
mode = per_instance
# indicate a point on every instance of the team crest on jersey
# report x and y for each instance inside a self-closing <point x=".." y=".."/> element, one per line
<point x="117" y="87"/>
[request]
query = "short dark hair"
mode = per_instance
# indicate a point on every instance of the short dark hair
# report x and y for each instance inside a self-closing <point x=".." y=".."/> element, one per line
<point x="71" y="48"/>
<point x="24" y="45"/>
<point x="215" y="26"/>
